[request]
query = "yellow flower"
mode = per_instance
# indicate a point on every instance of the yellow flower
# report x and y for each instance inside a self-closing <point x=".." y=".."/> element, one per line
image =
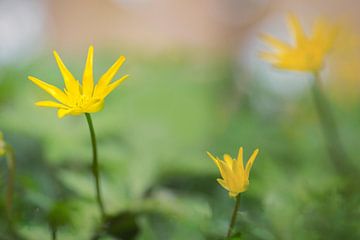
<point x="2" y="145"/>
<point x="308" y="53"/>
<point x="235" y="177"/>
<point x="77" y="98"/>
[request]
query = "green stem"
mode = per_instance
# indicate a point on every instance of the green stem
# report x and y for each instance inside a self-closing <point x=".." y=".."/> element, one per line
<point x="95" y="165"/>
<point x="234" y="216"/>
<point x="53" y="230"/>
<point x="330" y="129"/>
<point x="10" y="156"/>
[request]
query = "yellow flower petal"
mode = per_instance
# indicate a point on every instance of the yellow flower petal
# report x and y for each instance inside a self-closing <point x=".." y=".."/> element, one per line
<point x="324" y="35"/>
<point x="218" y="164"/>
<point x="77" y="99"/>
<point x="50" y="104"/>
<point x="96" y="106"/>
<point x="238" y="166"/>
<point x="296" y="29"/>
<point x="226" y="173"/>
<point x="228" y="160"/>
<point x="270" y="57"/>
<point x="63" y="112"/>
<point x="88" y="78"/>
<point x="213" y="158"/>
<point x="52" y="90"/>
<point x="71" y="84"/>
<point x="240" y="159"/>
<point x="114" y="85"/>
<point x="107" y="77"/>
<point x="308" y="53"/>
<point x="274" y="42"/>
<point x="235" y="178"/>
<point x="251" y="162"/>
<point x="233" y="194"/>
<point x="222" y="183"/>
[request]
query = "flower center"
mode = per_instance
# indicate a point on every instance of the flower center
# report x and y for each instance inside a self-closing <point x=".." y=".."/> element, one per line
<point x="82" y="101"/>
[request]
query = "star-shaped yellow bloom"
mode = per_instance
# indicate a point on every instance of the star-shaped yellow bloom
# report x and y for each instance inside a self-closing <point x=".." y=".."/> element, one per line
<point x="235" y="178"/>
<point x="308" y="53"/>
<point x="77" y="98"/>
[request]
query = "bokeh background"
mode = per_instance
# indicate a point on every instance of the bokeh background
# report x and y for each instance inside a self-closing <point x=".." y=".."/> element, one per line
<point x="196" y="84"/>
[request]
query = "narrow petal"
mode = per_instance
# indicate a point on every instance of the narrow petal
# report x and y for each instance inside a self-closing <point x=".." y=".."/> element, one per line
<point x="95" y="107"/>
<point x="274" y="42"/>
<point x="63" y="112"/>
<point x="52" y="90"/>
<point x="114" y="85"/>
<point x="88" y="78"/>
<point x="107" y="76"/>
<point x="228" y="160"/>
<point x="324" y="35"/>
<point x="250" y="163"/>
<point x="222" y="183"/>
<point x="213" y="158"/>
<point x="238" y="167"/>
<point x="71" y="84"/>
<point x="233" y="194"/>
<point x="226" y="174"/>
<point x="216" y="161"/>
<point x="240" y="158"/>
<point x="51" y="104"/>
<point x="296" y="29"/>
<point x="270" y="57"/>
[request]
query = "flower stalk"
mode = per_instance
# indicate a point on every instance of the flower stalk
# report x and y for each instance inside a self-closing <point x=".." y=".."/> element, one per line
<point x="233" y="216"/>
<point x="95" y="166"/>
<point x="308" y="54"/>
<point x="53" y="231"/>
<point x="10" y="158"/>
<point x="7" y="151"/>
<point x="330" y="130"/>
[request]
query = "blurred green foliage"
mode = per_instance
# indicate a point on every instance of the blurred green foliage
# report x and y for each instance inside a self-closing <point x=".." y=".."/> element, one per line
<point x="157" y="181"/>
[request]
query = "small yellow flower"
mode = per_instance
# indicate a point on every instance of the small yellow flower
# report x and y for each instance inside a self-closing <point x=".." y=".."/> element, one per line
<point x="235" y="178"/>
<point x="77" y="98"/>
<point x="308" y="53"/>
<point x="2" y="145"/>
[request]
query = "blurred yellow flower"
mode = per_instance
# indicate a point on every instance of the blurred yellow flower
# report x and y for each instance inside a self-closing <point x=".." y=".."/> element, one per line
<point x="77" y="98"/>
<point x="2" y="145"/>
<point x="308" y="53"/>
<point x="235" y="178"/>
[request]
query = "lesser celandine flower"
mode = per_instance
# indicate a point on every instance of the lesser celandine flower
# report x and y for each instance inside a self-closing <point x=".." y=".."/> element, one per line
<point x="307" y="53"/>
<point x="83" y="98"/>
<point x="235" y="178"/>
<point x="77" y="98"/>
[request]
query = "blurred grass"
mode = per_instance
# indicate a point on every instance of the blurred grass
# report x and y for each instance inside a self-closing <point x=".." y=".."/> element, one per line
<point x="153" y="134"/>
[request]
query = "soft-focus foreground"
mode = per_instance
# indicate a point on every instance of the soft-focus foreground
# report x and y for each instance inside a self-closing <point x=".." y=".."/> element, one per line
<point x="192" y="89"/>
